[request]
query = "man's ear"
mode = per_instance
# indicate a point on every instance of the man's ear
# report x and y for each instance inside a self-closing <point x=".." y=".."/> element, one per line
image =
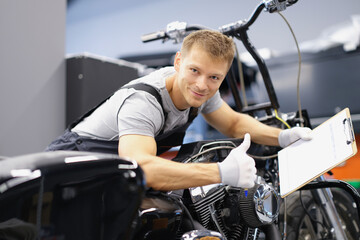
<point x="177" y="61"/>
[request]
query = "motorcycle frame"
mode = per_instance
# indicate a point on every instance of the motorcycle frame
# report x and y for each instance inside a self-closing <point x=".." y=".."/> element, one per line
<point x="177" y="31"/>
<point x="322" y="196"/>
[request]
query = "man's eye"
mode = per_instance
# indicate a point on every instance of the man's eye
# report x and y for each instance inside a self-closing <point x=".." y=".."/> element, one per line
<point x="194" y="70"/>
<point x="214" y="78"/>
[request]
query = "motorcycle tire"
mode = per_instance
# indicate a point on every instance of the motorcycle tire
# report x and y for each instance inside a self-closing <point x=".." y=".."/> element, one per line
<point x="300" y="226"/>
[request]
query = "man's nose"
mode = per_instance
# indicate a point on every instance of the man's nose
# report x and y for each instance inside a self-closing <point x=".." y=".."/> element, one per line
<point x="201" y="83"/>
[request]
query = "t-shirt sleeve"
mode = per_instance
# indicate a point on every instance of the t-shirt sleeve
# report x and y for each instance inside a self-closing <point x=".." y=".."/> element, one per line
<point x="212" y="104"/>
<point x="140" y="114"/>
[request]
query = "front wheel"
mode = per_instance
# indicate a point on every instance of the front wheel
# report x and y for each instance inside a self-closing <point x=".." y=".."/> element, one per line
<point x="306" y="221"/>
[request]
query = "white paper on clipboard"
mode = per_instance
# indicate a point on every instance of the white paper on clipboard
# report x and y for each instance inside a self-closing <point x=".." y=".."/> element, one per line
<point x="333" y="142"/>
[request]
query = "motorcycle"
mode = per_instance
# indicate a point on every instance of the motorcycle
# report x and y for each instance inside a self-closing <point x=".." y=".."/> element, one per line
<point x="81" y="195"/>
<point x="322" y="209"/>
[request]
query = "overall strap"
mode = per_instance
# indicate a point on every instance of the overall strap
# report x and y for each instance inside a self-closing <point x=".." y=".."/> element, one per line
<point x="137" y="86"/>
<point x="149" y="89"/>
<point x="175" y="137"/>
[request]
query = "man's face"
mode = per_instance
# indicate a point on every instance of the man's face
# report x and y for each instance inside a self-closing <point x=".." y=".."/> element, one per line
<point x="198" y="77"/>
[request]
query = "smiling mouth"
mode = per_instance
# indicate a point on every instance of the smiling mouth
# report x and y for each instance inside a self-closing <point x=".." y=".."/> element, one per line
<point x="197" y="94"/>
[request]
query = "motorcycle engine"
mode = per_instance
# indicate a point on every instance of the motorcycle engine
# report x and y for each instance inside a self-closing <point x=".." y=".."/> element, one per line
<point x="235" y="212"/>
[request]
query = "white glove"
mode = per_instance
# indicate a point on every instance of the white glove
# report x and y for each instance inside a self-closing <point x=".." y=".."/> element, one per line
<point x="288" y="136"/>
<point x="238" y="169"/>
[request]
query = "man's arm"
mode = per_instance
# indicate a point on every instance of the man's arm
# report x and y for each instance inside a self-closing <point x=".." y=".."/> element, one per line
<point x="234" y="124"/>
<point x="163" y="174"/>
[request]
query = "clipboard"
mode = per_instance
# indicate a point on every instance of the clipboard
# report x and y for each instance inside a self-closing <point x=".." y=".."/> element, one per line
<point x="301" y="162"/>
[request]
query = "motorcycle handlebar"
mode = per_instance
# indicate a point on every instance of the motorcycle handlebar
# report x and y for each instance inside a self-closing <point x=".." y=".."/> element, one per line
<point x="278" y="5"/>
<point x="271" y="6"/>
<point x="153" y="36"/>
<point x="176" y="31"/>
<point x="233" y="29"/>
<point x="239" y="30"/>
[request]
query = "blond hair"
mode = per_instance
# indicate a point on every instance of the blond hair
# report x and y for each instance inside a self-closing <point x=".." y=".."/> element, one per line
<point x="216" y="44"/>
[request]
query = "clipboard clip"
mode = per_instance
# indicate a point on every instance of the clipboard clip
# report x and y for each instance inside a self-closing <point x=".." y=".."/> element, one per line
<point x="349" y="132"/>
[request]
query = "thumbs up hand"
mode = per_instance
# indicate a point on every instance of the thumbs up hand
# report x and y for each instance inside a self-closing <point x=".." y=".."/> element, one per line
<point x="238" y="169"/>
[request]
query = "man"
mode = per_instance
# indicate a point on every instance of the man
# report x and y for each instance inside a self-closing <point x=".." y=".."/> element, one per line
<point x="135" y="122"/>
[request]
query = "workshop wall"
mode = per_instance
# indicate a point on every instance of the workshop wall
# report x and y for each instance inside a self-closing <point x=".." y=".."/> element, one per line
<point x="113" y="27"/>
<point x="32" y="74"/>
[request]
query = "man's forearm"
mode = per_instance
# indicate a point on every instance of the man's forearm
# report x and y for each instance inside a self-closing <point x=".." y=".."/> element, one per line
<point x="260" y="133"/>
<point x="163" y="174"/>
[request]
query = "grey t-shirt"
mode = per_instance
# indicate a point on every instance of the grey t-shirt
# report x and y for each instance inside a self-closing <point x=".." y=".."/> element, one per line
<point x="131" y="111"/>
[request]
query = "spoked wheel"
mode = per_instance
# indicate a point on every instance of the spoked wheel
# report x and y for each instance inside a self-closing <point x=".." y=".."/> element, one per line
<point x="311" y="224"/>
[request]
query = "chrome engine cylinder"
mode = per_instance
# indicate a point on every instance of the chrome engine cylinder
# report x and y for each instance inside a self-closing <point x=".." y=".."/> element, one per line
<point x="259" y="205"/>
<point x="228" y="207"/>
